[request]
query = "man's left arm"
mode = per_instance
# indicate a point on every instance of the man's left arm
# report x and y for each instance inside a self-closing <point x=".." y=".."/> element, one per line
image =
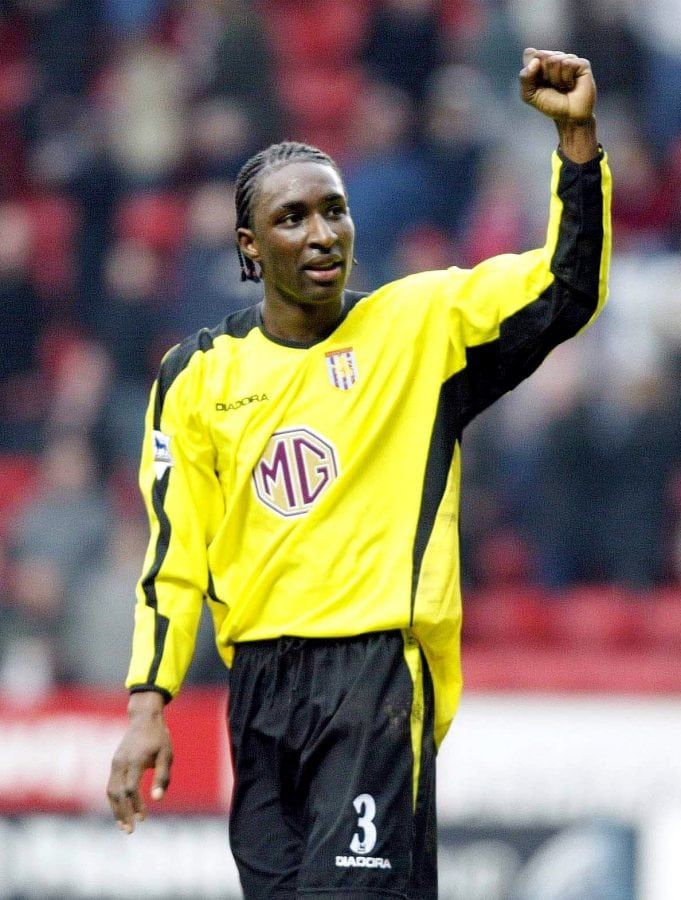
<point x="562" y="87"/>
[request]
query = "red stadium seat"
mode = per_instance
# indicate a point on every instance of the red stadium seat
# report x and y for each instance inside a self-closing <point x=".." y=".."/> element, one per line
<point x="155" y="219"/>
<point x="580" y="669"/>
<point x="123" y="490"/>
<point x="55" y="346"/>
<point x="55" y="220"/>
<point x="507" y="616"/>
<point x="12" y="160"/>
<point x="319" y="97"/>
<point x="661" y="616"/>
<point x="17" y="79"/>
<point x="333" y="140"/>
<point x="595" y="616"/>
<point x="463" y="18"/>
<point x="18" y="481"/>
<point x="304" y="32"/>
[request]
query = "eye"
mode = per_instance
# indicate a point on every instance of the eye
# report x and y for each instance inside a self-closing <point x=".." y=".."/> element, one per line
<point x="336" y="211"/>
<point x="291" y="218"/>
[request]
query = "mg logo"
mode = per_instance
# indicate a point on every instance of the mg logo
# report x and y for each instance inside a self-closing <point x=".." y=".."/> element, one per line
<point x="294" y="471"/>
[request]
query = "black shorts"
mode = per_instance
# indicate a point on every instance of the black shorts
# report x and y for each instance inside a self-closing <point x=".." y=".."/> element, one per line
<point x="334" y="763"/>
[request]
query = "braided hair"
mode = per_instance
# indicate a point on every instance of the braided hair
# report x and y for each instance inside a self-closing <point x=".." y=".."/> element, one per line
<point x="248" y="181"/>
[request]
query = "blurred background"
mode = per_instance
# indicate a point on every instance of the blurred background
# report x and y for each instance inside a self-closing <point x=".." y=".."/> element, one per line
<point x="123" y="124"/>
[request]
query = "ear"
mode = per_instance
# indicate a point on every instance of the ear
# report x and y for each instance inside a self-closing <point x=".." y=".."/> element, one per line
<point x="248" y="244"/>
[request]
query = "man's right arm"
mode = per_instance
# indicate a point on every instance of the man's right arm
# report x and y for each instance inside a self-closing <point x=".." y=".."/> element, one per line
<point x="184" y="504"/>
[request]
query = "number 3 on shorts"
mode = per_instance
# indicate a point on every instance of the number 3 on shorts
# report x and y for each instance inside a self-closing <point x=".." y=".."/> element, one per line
<point x="366" y="810"/>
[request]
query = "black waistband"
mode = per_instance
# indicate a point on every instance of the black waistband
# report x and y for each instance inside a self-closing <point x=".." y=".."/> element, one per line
<point x="294" y="642"/>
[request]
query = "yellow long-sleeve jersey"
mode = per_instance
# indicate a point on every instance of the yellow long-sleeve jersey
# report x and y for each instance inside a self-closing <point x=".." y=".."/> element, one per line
<point x="314" y="490"/>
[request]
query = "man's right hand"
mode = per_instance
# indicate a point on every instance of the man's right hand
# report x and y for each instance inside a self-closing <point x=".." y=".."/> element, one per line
<point x="145" y="745"/>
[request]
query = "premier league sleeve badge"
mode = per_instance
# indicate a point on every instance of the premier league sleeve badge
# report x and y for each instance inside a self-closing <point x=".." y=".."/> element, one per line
<point x="163" y="458"/>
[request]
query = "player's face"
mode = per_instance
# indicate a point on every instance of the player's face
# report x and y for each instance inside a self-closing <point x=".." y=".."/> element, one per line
<point x="302" y="234"/>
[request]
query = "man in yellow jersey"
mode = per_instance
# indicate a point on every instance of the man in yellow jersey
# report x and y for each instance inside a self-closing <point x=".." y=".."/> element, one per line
<point x="301" y="473"/>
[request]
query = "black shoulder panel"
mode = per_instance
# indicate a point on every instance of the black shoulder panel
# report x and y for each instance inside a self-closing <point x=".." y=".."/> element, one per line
<point x="238" y="324"/>
<point x="351" y="299"/>
<point x="175" y="362"/>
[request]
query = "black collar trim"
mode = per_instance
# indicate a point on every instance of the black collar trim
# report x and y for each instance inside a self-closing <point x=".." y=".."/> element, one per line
<point x="350" y="300"/>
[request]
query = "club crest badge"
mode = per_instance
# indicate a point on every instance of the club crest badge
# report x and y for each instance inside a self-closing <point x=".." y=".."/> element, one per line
<point x="342" y="368"/>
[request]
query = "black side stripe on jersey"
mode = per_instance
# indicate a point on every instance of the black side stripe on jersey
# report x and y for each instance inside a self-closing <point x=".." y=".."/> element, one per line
<point x="176" y="361"/>
<point x="525" y="339"/>
<point x="161" y="622"/>
<point x="446" y="433"/>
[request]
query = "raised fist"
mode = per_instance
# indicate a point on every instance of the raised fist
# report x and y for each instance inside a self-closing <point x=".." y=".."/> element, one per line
<point x="560" y="85"/>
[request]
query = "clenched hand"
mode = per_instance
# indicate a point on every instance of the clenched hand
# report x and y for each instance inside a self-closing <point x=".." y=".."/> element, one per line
<point x="562" y="87"/>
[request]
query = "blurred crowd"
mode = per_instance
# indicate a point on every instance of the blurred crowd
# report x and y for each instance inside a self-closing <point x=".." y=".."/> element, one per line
<point x="123" y="124"/>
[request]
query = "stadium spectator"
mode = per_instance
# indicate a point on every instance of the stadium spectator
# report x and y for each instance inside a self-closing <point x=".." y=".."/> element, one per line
<point x="604" y="472"/>
<point x="60" y="533"/>
<point x="67" y="523"/>
<point x="54" y="27"/>
<point x="605" y="33"/>
<point x="79" y="372"/>
<point x="242" y="66"/>
<point x="222" y="133"/>
<point x="142" y="92"/>
<point x="134" y="310"/>
<point x="646" y="213"/>
<point x="95" y="637"/>
<point x="21" y="325"/>
<point x="659" y="26"/>
<point x="387" y="179"/>
<point x="404" y="44"/>
<point x="208" y="271"/>
<point x="487" y="39"/>
<point x="459" y="129"/>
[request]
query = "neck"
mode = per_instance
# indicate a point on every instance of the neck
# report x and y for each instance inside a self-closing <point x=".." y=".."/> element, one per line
<point x="302" y="323"/>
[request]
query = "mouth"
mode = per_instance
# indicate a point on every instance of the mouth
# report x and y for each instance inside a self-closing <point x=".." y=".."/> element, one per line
<point x="324" y="271"/>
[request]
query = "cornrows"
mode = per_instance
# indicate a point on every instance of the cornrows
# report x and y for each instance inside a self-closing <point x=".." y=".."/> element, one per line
<point x="248" y="181"/>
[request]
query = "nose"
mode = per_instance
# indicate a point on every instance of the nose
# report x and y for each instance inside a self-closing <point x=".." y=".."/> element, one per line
<point x="320" y="233"/>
